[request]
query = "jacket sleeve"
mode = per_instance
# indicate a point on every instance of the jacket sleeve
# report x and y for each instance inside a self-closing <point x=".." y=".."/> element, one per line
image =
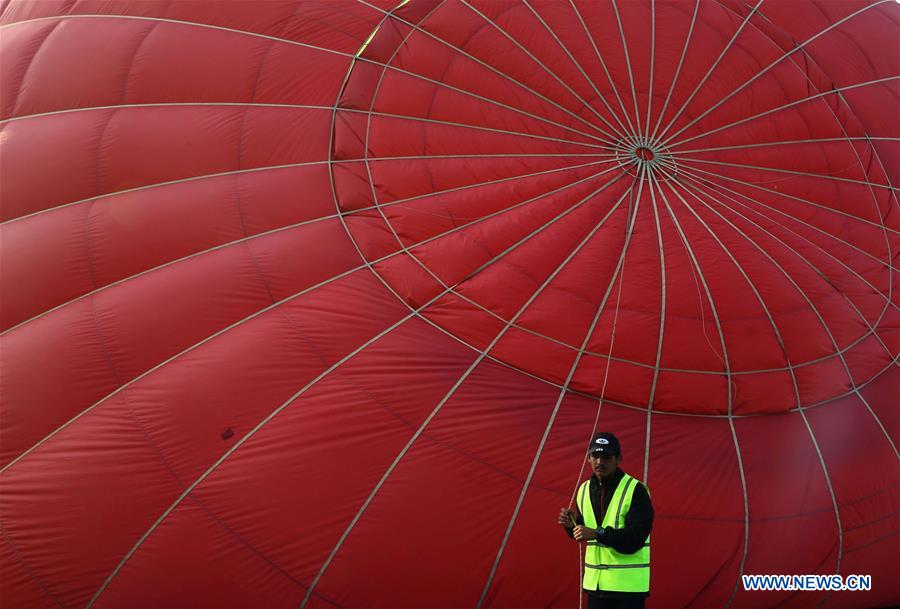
<point x="638" y="523"/>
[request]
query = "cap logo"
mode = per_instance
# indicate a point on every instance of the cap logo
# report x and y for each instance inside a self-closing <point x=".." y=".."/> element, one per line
<point x="602" y="441"/>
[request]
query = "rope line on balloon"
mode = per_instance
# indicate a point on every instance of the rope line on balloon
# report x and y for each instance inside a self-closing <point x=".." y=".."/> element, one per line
<point x="646" y="139"/>
<point x="488" y="100"/>
<point x="833" y="91"/>
<point x="366" y="264"/>
<point x="759" y="182"/>
<point x="336" y="162"/>
<point x="695" y="269"/>
<point x="813" y="436"/>
<point x="648" y="174"/>
<point x="469" y="126"/>
<point x="500" y="362"/>
<point x="660" y="334"/>
<point x="614" y="134"/>
<point x="549" y="338"/>
<point x="838" y="351"/>
<point x="621" y="129"/>
<point x="368" y="130"/>
<point x="528" y="330"/>
<point x="764" y="71"/>
<point x="779" y="193"/>
<point x="331" y="108"/>
<point x="562" y="394"/>
<point x="689" y="159"/>
<point x="803" y="415"/>
<point x="372" y="181"/>
<point x="606" y="135"/>
<point x="732" y="386"/>
<point x="349" y="55"/>
<point x="699" y="85"/>
<point x="482" y="354"/>
<point x="684" y="49"/>
<point x="686" y="171"/>
<point x="618" y="276"/>
<point x="712" y="187"/>
<point x="872" y="331"/>
<point x="695" y="171"/>
<point x="752" y="286"/>
<point x="609" y="79"/>
<point x="823" y="140"/>
<point x="413" y="313"/>
<point x="404" y="201"/>
<point x="637" y="114"/>
<point x="254" y="169"/>
<point x="809" y="59"/>
<point x="889" y="255"/>
<point x="881" y="215"/>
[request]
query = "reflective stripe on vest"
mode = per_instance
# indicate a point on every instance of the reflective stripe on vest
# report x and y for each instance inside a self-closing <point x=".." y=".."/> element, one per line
<point x="606" y="569"/>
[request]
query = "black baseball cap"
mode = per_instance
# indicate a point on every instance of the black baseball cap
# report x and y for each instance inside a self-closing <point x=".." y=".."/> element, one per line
<point x="605" y="442"/>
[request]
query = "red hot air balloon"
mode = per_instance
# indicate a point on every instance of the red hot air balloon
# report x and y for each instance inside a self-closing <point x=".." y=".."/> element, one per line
<point x="315" y="303"/>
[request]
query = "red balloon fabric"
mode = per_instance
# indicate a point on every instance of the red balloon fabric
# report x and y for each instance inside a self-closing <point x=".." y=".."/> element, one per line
<point x="314" y="303"/>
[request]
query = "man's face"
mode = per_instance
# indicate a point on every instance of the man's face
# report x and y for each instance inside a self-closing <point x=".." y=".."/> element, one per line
<point x="603" y="464"/>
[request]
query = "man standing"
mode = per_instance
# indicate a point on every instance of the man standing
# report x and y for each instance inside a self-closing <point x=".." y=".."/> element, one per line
<point x="614" y="517"/>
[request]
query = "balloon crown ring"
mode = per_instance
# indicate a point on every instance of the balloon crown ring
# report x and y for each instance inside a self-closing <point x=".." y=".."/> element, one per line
<point x="643" y="158"/>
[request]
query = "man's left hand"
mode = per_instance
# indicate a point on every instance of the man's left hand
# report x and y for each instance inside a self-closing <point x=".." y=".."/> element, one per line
<point x="583" y="533"/>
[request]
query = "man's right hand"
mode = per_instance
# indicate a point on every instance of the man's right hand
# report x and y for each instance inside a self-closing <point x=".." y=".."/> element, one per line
<point x="567" y="518"/>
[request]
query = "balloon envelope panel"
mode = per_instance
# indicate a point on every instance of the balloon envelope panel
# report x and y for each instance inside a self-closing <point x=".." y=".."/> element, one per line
<point x="316" y="304"/>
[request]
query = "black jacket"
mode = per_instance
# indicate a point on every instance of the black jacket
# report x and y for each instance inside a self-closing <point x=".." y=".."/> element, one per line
<point x="638" y="522"/>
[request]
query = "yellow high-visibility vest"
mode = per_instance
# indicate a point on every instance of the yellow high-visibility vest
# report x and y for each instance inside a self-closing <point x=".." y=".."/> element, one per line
<point x="604" y="568"/>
